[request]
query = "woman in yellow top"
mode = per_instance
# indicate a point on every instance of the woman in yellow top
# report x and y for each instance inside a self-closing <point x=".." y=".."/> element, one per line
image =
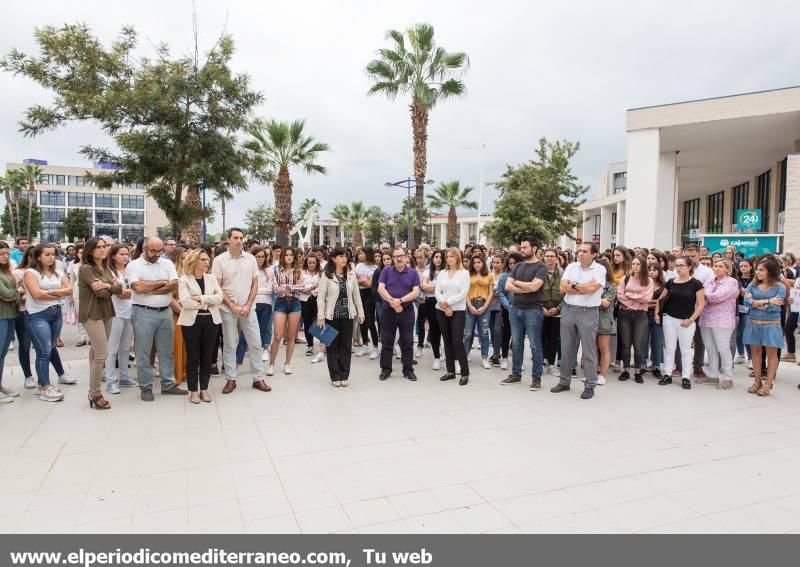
<point x="621" y="264"/>
<point x="481" y="292"/>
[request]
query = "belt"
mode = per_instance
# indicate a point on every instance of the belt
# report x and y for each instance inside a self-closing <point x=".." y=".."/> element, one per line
<point x="582" y="307"/>
<point x="151" y="308"/>
<point x="204" y="313"/>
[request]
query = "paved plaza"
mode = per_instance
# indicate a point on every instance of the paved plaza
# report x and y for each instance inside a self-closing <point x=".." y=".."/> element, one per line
<point x="397" y="456"/>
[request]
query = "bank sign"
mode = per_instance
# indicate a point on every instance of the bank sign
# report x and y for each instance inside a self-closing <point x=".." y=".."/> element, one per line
<point x="748" y="220"/>
<point x="749" y="245"/>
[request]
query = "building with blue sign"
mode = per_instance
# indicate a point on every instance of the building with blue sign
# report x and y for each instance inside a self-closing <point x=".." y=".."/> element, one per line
<point x="695" y="168"/>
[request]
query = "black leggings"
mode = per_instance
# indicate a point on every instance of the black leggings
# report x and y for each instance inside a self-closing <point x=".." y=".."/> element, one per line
<point x="506" y="333"/>
<point x="368" y="327"/>
<point x="453" y="337"/>
<point x="200" y="339"/>
<point x="308" y="313"/>
<point x="434" y="332"/>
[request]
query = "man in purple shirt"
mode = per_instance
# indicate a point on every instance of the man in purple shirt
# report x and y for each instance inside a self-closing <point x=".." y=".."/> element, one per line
<point x="398" y="286"/>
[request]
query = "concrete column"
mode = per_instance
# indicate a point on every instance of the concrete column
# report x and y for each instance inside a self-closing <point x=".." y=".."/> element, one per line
<point x="605" y="228"/>
<point x="621" y="223"/>
<point x="319" y="227"/>
<point x="791" y="226"/>
<point x="650" y="195"/>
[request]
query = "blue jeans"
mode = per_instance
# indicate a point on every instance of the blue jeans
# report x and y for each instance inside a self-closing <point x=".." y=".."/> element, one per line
<point x="526" y="322"/>
<point x="654" y="340"/>
<point x="6" y="336"/>
<point x="44" y="328"/>
<point x="741" y="348"/>
<point x="483" y="331"/>
<point x="148" y="325"/>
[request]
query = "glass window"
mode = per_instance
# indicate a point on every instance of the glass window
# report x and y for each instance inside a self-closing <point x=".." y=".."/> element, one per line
<point x="739" y="197"/>
<point x="106" y="200"/>
<point x="79" y="199"/>
<point x="106" y="230"/>
<point x="620" y="181"/>
<point x="132" y="201"/>
<point x="762" y="199"/>
<point x="52" y="233"/>
<point x="716" y="205"/>
<point x="131" y="233"/>
<point x="52" y="214"/>
<point x="106" y="217"/>
<point x="76" y="180"/>
<point x="691" y="215"/>
<point x="55" y="198"/>
<point x="472" y="232"/>
<point x="44" y="179"/>
<point x="132" y="217"/>
<point x="782" y="190"/>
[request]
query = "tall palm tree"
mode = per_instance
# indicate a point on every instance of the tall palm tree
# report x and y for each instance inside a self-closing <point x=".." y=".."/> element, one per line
<point x="352" y="219"/>
<point x="12" y="183"/>
<point x="277" y="146"/>
<point x="307" y="204"/>
<point x="429" y="74"/>
<point x="31" y="174"/>
<point x="451" y="195"/>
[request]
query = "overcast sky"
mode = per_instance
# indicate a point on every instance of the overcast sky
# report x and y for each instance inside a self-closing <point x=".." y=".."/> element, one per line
<point x="565" y="70"/>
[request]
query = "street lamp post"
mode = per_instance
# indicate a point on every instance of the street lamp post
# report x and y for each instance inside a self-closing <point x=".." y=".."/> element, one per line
<point x="408" y="183"/>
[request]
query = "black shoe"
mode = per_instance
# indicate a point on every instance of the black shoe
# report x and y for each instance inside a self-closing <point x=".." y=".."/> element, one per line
<point x="686" y="384"/>
<point x="447" y="377"/>
<point x="463" y="381"/>
<point x="558" y="388"/>
<point x="410" y="375"/>
<point x="214" y="370"/>
<point x="656" y="373"/>
<point x="638" y="378"/>
<point x="512" y="379"/>
<point x="147" y="396"/>
<point x="665" y="381"/>
<point x="385" y="374"/>
<point x="588" y="394"/>
<point x="309" y="351"/>
<point x="536" y="384"/>
<point x="624" y="376"/>
<point x="414" y="361"/>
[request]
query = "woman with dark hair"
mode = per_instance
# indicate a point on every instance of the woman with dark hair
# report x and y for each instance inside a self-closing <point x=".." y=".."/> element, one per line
<point x="338" y="304"/>
<point x="9" y="301"/>
<point x="606" y="324"/>
<point x="286" y="309"/>
<point x="653" y="339"/>
<point x="121" y="337"/>
<point x="479" y="297"/>
<point x="496" y="312"/>
<point x="764" y="295"/>
<point x="96" y="284"/>
<point x="634" y="294"/>
<point x="365" y="270"/>
<point x="72" y="276"/>
<point x="263" y="256"/>
<point x="385" y="262"/>
<point x="44" y="288"/>
<point x="620" y="267"/>
<point x="308" y="300"/>
<point x="435" y="265"/>
<point x="745" y="276"/>
<point x="505" y="305"/>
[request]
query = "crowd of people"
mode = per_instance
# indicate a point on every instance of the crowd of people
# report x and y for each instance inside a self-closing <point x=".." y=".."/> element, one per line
<point x="171" y="308"/>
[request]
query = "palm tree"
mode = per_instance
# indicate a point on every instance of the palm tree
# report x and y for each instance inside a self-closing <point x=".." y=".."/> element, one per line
<point x="408" y="211"/>
<point x="429" y="74"/>
<point x="306" y="205"/>
<point x="451" y="195"/>
<point x="30" y="174"/>
<point x="277" y="146"/>
<point x="10" y="183"/>
<point x="352" y="219"/>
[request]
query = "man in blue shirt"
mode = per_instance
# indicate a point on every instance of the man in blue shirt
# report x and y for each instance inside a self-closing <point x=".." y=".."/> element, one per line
<point x="398" y="287"/>
<point x="19" y="250"/>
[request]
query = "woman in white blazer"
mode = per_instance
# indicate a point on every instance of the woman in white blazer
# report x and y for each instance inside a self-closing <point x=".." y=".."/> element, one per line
<point x="200" y="296"/>
<point x="338" y="303"/>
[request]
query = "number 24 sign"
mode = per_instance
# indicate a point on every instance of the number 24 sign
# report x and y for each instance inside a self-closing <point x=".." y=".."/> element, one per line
<point x="749" y="219"/>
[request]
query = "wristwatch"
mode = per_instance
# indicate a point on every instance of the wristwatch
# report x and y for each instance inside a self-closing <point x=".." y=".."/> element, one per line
<point x="575" y="286"/>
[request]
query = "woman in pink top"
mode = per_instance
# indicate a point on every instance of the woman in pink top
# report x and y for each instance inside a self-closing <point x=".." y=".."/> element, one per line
<point x="718" y="322"/>
<point x="633" y="295"/>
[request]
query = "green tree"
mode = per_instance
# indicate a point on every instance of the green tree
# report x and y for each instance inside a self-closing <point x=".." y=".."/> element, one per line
<point x="35" y="216"/>
<point x="305" y="206"/>
<point x="30" y="175"/>
<point x="352" y="219"/>
<point x="429" y="74"/>
<point x="539" y="198"/>
<point x="451" y="195"/>
<point x="174" y="120"/>
<point x="377" y="227"/>
<point x="275" y="147"/>
<point x="400" y="220"/>
<point x="12" y="184"/>
<point x="77" y="225"/>
<point x="259" y="222"/>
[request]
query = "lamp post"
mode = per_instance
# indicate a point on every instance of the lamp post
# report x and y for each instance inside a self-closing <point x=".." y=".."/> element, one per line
<point x="408" y="183"/>
<point x="482" y="148"/>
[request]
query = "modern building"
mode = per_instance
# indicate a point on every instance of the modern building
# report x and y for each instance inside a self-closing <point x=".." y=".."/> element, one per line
<point x="123" y="213"/>
<point x="692" y="166"/>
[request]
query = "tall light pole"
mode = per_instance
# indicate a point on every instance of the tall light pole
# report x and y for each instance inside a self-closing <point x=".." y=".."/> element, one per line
<point x="482" y="148"/>
<point x="408" y="183"/>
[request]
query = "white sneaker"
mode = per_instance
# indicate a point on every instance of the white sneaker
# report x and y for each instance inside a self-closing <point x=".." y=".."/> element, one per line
<point x="287" y="369"/>
<point x="486" y="364"/>
<point x="554" y="370"/>
<point x="112" y="388"/>
<point x="67" y="379"/>
<point x="601" y="380"/>
<point x="376" y="352"/>
<point x="51" y="394"/>
<point x="30" y="383"/>
<point x="11" y="346"/>
<point x="469" y="356"/>
<point x="9" y="392"/>
<point x="418" y="354"/>
<point x="739" y="359"/>
<point x="4" y="399"/>
<point x="458" y="367"/>
<point x="503" y="364"/>
<point x="749" y="364"/>
<point x="437" y="364"/>
<point x="319" y="357"/>
<point x="265" y="356"/>
<point x="270" y="370"/>
<point x="362" y="351"/>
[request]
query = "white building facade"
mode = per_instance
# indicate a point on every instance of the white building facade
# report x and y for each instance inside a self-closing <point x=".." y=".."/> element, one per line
<point x="692" y="165"/>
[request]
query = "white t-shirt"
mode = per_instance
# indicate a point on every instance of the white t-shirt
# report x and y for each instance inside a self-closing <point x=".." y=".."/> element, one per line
<point x="122" y="307"/>
<point x="702" y="273"/>
<point x="235" y="275"/>
<point x="365" y="270"/>
<point x="142" y="270"/>
<point x="53" y="281"/>
<point x="578" y="274"/>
